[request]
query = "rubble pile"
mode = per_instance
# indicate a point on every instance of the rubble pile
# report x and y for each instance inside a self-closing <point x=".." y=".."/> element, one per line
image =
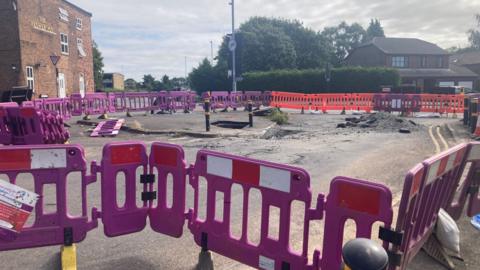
<point x="380" y="122"/>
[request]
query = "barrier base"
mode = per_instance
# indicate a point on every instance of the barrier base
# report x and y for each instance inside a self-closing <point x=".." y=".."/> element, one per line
<point x="69" y="257"/>
<point x="86" y="117"/>
<point x="129" y="114"/>
<point x="205" y="261"/>
<point x="435" y="250"/>
<point x="103" y="116"/>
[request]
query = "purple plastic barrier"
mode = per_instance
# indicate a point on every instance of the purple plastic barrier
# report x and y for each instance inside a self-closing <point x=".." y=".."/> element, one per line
<point x="111" y="103"/>
<point x="5" y="132"/>
<point x="119" y="101"/>
<point x="9" y="104"/>
<point x="123" y="158"/>
<point x="397" y="102"/>
<point x="219" y="100"/>
<point x="192" y="99"/>
<point x="137" y="102"/>
<point x="266" y="98"/>
<point x="108" y="128"/>
<point x="57" y="105"/>
<point x="428" y="187"/>
<point x="96" y="103"/>
<point x="468" y="190"/>
<point x="49" y="166"/>
<point x="235" y="100"/>
<point x="363" y="202"/>
<point x="255" y="97"/>
<point x="76" y="104"/>
<point x="25" y="126"/>
<point x="168" y="159"/>
<point x="180" y="100"/>
<point x="279" y="185"/>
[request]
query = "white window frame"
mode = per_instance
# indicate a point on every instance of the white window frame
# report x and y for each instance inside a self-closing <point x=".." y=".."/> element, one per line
<point x="30" y="78"/>
<point x="64" y="44"/>
<point x="82" y="87"/>
<point x="79" y="24"/>
<point x="399" y="61"/>
<point x="63" y="14"/>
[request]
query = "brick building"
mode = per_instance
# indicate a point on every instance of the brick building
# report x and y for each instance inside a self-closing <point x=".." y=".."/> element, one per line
<point x="31" y="31"/>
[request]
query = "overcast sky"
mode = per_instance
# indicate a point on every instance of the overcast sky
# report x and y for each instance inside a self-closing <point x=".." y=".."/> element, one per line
<point x="139" y="37"/>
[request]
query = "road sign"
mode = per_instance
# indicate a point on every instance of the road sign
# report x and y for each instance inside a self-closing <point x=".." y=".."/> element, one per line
<point x="232" y="45"/>
<point x="55" y="59"/>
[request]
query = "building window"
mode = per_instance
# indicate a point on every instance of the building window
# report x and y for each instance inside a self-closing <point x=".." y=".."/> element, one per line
<point x="81" y="50"/>
<point x="82" y="85"/>
<point x="423" y="61"/>
<point x="79" y="24"/>
<point x="30" y="78"/>
<point x="64" y="43"/>
<point x="399" y="61"/>
<point x="440" y="62"/>
<point x="63" y="14"/>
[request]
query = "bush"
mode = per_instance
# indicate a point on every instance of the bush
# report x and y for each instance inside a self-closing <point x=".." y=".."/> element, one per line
<point x="278" y="117"/>
<point x="343" y="80"/>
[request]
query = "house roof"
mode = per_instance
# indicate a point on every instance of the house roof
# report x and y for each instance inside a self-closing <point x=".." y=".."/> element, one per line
<point x="408" y="46"/>
<point x="467" y="58"/>
<point x="453" y="72"/>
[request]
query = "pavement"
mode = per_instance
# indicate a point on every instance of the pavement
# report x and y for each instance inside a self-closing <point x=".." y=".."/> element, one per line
<point x="309" y="141"/>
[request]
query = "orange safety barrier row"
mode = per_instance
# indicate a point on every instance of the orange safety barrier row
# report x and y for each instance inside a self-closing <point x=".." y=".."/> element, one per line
<point x="367" y="102"/>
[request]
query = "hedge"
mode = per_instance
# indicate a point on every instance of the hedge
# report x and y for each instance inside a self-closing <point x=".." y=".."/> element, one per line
<point x="343" y="80"/>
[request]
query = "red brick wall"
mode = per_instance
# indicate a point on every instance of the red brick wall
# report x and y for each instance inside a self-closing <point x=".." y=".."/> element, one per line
<point x="37" y="46"/>
<point x="9" y="46"/>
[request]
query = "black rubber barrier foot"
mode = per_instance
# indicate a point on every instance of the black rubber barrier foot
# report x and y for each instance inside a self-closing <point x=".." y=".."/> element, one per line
<point x="205" y="261"/>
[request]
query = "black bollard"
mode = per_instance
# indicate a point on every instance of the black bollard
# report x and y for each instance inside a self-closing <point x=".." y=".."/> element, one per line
<point x="207" y="114"/>
<point x="474" y="115"/>
<point x="362" y="253"/>
<point x="465" y="109"/>
<point x="250" y="113"/>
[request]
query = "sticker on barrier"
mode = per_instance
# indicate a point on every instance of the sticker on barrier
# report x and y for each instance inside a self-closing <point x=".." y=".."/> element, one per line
<point x="48" y="166"/>
<point x="278" y="185"/>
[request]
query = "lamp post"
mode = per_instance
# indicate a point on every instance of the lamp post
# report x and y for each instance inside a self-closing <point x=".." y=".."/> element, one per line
<point x="232" y="45"/>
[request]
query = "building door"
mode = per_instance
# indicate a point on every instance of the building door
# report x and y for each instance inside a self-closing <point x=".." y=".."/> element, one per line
<point x="82" y="85"/>
<point x="61" y="86"/>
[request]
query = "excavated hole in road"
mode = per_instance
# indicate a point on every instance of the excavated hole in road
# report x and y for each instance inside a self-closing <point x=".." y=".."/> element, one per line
<point x="230" y="124"/>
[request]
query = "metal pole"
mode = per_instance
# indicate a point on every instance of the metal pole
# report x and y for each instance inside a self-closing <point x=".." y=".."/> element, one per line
<point x="234" y="75"/>
<point x="211" y="48"/>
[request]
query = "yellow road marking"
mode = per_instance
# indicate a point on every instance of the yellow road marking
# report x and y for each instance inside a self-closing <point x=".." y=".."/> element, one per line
<point x="444" y="142"/>
<point x="435" y="142"/>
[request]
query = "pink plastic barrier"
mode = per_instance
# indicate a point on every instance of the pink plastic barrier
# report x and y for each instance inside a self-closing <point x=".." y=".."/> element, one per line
<point x="123" y="158"/>
<point x="136" y="102"/>
<point x="279" y="186"/>
<point x="49" y="166"/>
<point x="57" y="105"/>
<point x="428" y="187"/>
<point x="255" y="97"/>
<point x="108" y="128"/>
<point x="96" y="103"/>
<point x="25" y="126"/>
<point x="168" y="159"/>
<point x="363" y="202"/>
<point x="5" y="132"/>
<point x="468" y="189"/>
<point x="76" y="104"/>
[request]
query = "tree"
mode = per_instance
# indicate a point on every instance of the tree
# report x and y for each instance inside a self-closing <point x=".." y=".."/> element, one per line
<point x="130" y="84"/>
<point x="97" y="67"/>
<point x="375" y="29"/>
<point x="148" y="82"/>
<point x="266" y="44"/>
<point x="209" y="78"/>
<point x="342" y="39"/>
<point x="474" y="35"/>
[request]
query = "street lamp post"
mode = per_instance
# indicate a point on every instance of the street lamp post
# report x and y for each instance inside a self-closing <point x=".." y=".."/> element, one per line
<point x="233" y="47"/>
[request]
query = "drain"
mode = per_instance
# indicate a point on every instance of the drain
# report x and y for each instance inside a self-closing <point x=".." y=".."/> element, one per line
<point x="230" y="124"/>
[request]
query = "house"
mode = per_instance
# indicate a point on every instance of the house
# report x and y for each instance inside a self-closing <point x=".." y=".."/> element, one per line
<point x="421" y="64"/>
<point x="46" y="45"/>
<point x="113" y="81"/>
<point x="470" y="60"/>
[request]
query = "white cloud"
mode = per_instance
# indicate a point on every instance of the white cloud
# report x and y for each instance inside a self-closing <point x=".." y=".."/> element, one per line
<point x="154" y="36"/>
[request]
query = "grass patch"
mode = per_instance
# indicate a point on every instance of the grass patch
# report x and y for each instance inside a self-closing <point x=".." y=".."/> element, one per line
<point x="278" y="117"/>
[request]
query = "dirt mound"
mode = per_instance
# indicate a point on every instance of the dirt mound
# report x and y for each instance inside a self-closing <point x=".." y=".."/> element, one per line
<point x="380" y="122"/>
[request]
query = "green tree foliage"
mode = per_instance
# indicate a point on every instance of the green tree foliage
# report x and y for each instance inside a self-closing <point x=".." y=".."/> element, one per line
<point x="130" y="84"/>
<point x="342" y="39"/>
<point x="149" y="82"/>
<point x="208" y="78"/>
<point x="267" y="44"/>
<point x="97" y="67"/>
<point x="474" y="35"/>
<point x="343" y="80"/>
<point x="375" y="29"/>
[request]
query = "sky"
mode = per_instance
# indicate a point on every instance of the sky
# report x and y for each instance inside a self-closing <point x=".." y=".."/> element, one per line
<point x="138" y="37"/>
